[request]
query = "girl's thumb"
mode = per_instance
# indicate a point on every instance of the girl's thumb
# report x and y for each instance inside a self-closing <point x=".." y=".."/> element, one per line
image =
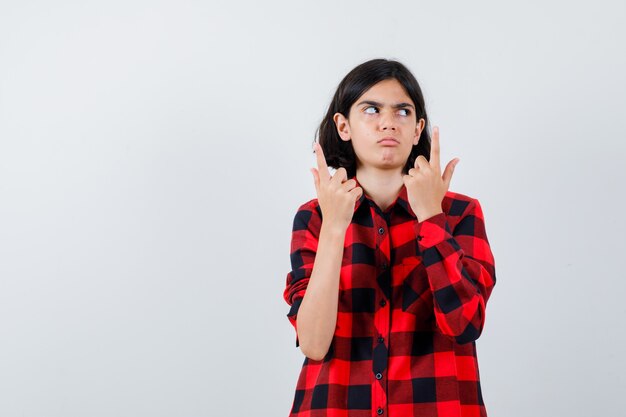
<point x="314" y="172"/>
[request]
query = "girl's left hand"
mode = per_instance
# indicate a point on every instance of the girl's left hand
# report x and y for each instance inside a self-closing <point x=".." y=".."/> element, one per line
<point x="424" y="183"/>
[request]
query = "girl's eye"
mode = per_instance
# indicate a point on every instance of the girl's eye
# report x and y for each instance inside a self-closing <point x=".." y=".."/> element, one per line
<point x="370" y="112"/>
<point x="406" y="112"/>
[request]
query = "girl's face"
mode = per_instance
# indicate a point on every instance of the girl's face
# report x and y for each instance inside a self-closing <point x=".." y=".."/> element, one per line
<point x="382" y="126"/>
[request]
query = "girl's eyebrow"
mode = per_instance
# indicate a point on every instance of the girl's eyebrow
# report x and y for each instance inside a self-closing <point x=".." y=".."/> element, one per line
<point x="395" y="106"/>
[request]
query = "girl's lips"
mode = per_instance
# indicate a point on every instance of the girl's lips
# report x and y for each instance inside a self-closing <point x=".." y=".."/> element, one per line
<point x="389" y="142"/>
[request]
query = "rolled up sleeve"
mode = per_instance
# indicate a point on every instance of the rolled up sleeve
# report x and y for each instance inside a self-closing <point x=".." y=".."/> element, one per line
<point x="304" y="241"/>
<point x="461" y="271"/>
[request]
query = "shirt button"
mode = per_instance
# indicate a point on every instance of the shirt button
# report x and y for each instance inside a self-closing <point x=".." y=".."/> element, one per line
<point x="379" y="411"/>
<point x="379" y="375"/>
<point x="419" y="237"/>
<point x="381" y="339"/>
<point x="383" y="302"/>
<point x="381" y="231"/>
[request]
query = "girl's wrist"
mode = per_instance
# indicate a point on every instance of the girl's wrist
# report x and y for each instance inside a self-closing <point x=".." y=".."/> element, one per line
<point x="333" y="229"/>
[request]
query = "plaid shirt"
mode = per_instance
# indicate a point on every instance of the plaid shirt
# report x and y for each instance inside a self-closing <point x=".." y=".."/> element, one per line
<point x="412" y="298"/>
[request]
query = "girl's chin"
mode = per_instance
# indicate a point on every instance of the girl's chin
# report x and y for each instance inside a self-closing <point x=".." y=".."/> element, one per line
<point x="389" y="165"/>
<point x="391" y="156"/>
<point x="389" y="160"/>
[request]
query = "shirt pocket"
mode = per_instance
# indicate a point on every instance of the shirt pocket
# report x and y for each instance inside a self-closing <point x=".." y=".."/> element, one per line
<point x="415" y="295"/>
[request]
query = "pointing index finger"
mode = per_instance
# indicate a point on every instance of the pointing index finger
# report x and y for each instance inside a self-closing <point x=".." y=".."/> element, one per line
<point x="434" y="149"/>
<point x="321" y="162"/>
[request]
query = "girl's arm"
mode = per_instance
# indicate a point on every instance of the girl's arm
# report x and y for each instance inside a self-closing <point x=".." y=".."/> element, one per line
<point x="317" y="306"/>
<point x="313" y="283"/>
<point x="317" y="316"/>
<point x="461" y="271"/>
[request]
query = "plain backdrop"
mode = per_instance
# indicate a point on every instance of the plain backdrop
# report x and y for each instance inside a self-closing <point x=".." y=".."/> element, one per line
<point x="153" y="155"/>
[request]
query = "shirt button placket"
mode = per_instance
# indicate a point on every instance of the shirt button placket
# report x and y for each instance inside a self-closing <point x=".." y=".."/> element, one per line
<point x="382" y="320"/>
<point x="379" y="365"/>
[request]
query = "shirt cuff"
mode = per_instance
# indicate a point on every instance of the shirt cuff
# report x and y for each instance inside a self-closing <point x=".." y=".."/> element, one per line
<point x="432" y="231"/>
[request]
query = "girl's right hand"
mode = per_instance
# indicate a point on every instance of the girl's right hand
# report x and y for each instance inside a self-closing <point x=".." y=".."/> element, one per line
<point x="336" y="195"/>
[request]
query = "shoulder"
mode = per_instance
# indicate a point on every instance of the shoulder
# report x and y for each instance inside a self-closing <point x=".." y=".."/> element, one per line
<point x="308" y="216"/>
<point x="457" y="205"/>
<point x="312" y="206"/>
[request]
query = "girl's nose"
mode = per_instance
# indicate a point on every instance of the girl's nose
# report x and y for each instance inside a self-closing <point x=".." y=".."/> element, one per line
<point x="387" y="121"/>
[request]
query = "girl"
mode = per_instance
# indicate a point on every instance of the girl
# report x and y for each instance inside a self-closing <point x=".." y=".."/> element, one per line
<point x="391" y="272"/>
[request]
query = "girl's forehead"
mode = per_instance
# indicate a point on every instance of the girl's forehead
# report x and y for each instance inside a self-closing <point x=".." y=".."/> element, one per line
<point x="386" y="90"/>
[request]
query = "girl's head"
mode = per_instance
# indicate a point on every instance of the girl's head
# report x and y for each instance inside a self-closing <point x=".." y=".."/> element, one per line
<point x="378" y="99"/>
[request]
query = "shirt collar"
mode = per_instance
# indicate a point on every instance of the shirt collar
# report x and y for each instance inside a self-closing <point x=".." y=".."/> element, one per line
<point x="400" y="201"/>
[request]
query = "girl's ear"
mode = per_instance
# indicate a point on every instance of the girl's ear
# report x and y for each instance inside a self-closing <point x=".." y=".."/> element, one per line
<point x="343" y="127"/>
<point x="418" y="130"/>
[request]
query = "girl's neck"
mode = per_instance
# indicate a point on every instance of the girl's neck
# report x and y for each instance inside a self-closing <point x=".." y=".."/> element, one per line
<point x="381" y="186"/>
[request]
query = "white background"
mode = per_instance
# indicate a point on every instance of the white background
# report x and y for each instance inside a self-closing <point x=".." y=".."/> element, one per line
<point x="153" y="155"/>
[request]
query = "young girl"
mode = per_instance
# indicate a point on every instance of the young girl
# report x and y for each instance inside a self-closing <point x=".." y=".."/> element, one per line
<point x="391" y="272"/>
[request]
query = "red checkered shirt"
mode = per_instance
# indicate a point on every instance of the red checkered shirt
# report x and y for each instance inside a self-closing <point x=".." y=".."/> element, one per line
<point x="412" y="298"/>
